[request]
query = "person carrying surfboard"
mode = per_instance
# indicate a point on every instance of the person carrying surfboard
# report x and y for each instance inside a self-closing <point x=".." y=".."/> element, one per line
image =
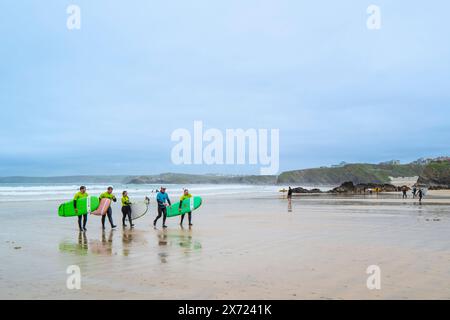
<point x="80" y="195"/>
<point x="163" y="201"/>
<point x="126" y="209"/>
<point x="108" y="195"/>
<point x="186" y="195"/>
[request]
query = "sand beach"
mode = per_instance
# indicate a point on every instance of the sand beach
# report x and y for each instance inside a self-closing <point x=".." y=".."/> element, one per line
<point x="243" y="245"/>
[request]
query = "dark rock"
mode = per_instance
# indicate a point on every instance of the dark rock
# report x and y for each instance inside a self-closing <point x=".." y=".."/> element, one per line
<point x="303" y="190"/>
<point x="349" y="187"/>
<point x="346" y="187"/>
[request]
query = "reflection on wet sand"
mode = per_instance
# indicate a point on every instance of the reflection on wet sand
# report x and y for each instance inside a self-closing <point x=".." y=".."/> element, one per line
<point x="130" y="237"/>
<point x="176" y="238"/>
<point x="289" y="205"/>
<point x="79" y="248"/>
<point x="103" y="247"/>
<point x="127" y="239"/>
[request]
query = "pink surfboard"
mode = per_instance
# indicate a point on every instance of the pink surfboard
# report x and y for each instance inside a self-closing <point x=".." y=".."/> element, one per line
<point x="102" y="208"/>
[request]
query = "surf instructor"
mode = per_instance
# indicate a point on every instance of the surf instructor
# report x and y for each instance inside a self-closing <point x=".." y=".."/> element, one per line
<point x="108" y="195"/>
<point x="163" y="201"/>
<point x="80" y="195"/>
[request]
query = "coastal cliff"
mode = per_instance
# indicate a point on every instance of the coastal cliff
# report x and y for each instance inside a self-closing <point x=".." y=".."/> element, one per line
<point x="357" y="173"/>
<point x="436" y="175"/>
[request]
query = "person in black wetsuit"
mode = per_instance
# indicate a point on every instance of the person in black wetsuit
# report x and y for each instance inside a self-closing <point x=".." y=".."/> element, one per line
<point x="126" y="209"/>
<point x="289" y="195"/>
<point x="108" y="195"/>
<point x="420" y="194"/>
<point x="186" y="195"/>
<point x="404" y="195"/>
<point x="80" y="195"/>
<point x="163" y="200"/>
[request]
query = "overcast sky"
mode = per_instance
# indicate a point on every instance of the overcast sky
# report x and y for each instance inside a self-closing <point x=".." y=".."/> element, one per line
<point x="105" y="99"/>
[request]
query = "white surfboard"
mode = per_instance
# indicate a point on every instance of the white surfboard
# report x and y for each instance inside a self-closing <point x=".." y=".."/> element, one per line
<point x="139" y="208"/>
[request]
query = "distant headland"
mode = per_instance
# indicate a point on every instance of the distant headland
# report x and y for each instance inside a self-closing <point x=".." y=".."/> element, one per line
<point x="432" y="172"/>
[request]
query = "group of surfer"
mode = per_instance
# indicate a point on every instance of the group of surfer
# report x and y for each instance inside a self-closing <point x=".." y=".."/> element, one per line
<point x="415" y="192"/>
<point x="162" y="199"/>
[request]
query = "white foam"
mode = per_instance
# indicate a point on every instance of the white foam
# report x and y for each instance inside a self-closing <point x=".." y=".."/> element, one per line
<point x="60" y="192"/>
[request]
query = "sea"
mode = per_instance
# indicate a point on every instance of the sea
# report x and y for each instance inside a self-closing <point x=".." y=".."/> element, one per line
<point x="25" y="192"/>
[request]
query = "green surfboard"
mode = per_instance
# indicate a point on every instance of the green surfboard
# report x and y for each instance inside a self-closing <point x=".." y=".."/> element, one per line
<point x="187" y="205"/>
<point x="84" y="206"/>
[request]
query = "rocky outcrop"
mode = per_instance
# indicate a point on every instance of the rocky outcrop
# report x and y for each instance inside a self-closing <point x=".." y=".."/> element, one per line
<point x="303" y="190"/>
<point x="350" y="187"/>
<point x="436" y="175"/>
<point x="346" y="187"/>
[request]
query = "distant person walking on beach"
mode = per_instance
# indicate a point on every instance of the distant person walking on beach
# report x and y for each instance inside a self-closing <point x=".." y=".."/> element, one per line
<point x="80" y="195"/>
<point x="420" y="194"/>
<point x="404" y="190"/>
<point x="163" y="201"/>
<point x="126" y="209"/>
<point x="289" y="195"/>
<point x="108" y="195"/>
<point x="414" y="192"/>
<point x="186" y="195"/>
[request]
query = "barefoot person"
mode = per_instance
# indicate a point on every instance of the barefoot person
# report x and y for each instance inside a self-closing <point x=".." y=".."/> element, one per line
<point x="126" y="209"/>
<point x="108" y="195"/>
<point x="163" y="201"/>
<point x="186" y="195"/>
<point x="80" y="195"/>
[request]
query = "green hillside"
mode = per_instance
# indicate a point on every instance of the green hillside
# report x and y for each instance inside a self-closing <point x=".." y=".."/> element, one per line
<point x="357" y="173"/>
<point x="179" y="178"/>
<point x="436" y="174"/>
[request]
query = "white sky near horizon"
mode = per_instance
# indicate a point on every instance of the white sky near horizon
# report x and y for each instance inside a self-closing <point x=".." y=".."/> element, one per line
<point x="105" y="99"/>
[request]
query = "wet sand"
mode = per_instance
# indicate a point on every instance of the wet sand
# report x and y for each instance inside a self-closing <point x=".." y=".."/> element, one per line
<point x="240" y="247"/>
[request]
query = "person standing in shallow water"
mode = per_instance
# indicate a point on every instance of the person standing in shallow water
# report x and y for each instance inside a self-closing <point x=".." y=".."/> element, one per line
<point x="163" y="201"/>
<point x="108" y="195"/>
<point x="80" y="195"/>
